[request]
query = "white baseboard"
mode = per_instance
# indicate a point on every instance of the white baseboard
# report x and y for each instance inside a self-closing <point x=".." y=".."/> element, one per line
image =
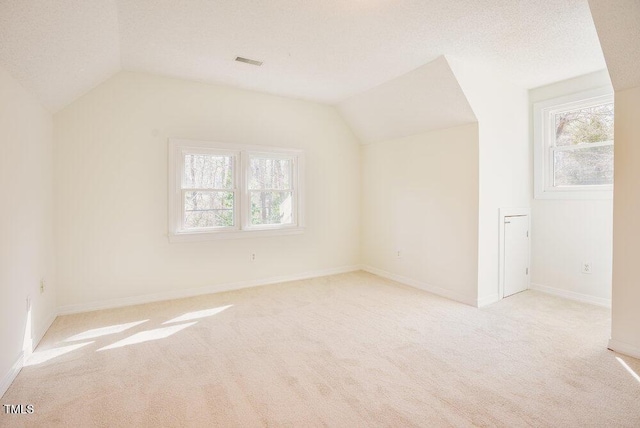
<point x="485" y="301"/>
<point x="572" y="295"/>
<point x="11" y="374"/>
<point x="180" y="294"/>
<point x="443" y="292"/>
<point x="624" y="348"/>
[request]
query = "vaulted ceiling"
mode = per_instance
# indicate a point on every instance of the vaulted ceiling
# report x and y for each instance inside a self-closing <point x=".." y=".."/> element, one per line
<point x="427" y="98"/>
<point x="324" y="50"/>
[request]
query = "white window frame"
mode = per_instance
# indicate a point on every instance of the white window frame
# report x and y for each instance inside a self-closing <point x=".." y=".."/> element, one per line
<point x="543" y="146"/>
<point x="242" y="227"/>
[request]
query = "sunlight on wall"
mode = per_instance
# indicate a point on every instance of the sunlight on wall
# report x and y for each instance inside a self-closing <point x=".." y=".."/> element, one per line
<point x="197" y="314"/>
<point x="44" y="356"/>
<point x="286" y="208"/>
<point x="103" y="331"/>
<point x="27" y="342"/>
<point x="146" y="336"/>
<point x="629" y="369"/>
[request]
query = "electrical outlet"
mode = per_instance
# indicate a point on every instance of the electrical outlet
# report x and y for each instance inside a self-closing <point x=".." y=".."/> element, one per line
<point x="587" y="268"/>
<point x="252" y="257"/>
<point x="42" y="286"/>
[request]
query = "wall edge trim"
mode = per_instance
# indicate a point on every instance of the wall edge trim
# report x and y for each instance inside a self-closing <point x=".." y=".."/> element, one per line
<point x="488" y="300"/>
<point x="624" y="348"/>
<point x="439" y="291"/>
<point x="572" y="295"/>
<point x="11" y="375"/>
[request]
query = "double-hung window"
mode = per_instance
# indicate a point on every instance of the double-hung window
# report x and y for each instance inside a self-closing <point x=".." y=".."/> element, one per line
<point x="208" y="190"/>
<point x="271" y="192"/>
<point x="573" y="146"/>
<point x="227" y="191"/>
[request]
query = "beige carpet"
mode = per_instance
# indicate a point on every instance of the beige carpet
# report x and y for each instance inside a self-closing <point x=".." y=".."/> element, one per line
<point x="342" y="351"/>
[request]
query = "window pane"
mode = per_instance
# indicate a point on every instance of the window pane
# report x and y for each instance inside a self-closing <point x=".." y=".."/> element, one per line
<point x="272" y="174"/>
<point x="584" y="166"/>
<point x="271" y="208"/>
<point x="208" y="209"/>
<point x="586" y="125"/>
<point x="208" y="171"/>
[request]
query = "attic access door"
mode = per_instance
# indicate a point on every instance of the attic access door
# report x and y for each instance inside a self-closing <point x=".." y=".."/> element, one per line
<point x="516" y="254"/>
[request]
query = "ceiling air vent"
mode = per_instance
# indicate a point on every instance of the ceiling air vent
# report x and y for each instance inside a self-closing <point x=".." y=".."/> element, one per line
<point x="248" y="61"/>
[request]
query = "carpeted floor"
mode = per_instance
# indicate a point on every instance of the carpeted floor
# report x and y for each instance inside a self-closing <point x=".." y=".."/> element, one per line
<point x="342" y="351"/>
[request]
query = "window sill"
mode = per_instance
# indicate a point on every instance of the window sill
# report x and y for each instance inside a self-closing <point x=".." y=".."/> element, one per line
<point x="574" y="194"/>
<point x="235" y="234"/>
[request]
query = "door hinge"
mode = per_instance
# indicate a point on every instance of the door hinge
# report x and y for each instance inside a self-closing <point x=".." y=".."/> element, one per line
<point x="527" y="271"/>
<point x="527" y="233"/>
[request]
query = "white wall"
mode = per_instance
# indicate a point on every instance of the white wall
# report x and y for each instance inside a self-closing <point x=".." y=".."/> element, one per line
<point x="501" y="161"/>
<point x="26" y="245"/>
<point x="420" y="197"/>
<point x="111" y="188"/>
<point x="504" y="162"/>
<point x="618" y="31"/>
<point x="566" y="233"/>
<point x="625" y="319"/>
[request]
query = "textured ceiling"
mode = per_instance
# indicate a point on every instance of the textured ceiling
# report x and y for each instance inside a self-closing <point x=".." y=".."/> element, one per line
<point x="618" y="25"/>
<point x="325" y="50"/>
<point x="59" y="48"/>
<point x="422" y="100"/>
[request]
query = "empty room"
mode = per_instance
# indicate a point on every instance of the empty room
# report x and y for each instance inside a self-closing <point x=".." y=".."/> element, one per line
<point x="319" y="213"/>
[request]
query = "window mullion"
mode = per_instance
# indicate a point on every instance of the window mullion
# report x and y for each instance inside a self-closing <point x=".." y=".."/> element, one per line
<point x="207" y="189"/>
<point x="183" y="208"/>
<point x="582" y="146"/>
<point x="550" y="146"/>
<point x="243" y="206"/>
<point x="294" y="191"/>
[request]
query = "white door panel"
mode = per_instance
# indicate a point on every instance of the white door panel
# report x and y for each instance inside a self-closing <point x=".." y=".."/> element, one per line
<point x="516" y="254"/>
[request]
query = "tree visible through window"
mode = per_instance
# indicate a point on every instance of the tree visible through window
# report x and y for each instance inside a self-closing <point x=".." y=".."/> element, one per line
<point x="224" y="189"/>
<point x="209" y="184"/>
<point x="573" y="146"/>
<point x="270" y="190"/>
<point x="583" y="149"/>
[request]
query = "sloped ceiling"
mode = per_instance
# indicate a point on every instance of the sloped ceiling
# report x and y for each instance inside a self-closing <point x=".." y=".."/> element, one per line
<point x="59" y="49"/>
<point x="324" y="50"/>
<point x="424" y="99"/>
<point x="618" y="25"/>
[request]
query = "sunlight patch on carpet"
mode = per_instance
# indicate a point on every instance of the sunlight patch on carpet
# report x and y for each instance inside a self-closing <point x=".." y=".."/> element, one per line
<point x="629" y="369"/>
<point x="146" y="336"/>
<point x="40" y="357"/>
<point x="198" y="314"/>
<point x="104" y="331"/>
